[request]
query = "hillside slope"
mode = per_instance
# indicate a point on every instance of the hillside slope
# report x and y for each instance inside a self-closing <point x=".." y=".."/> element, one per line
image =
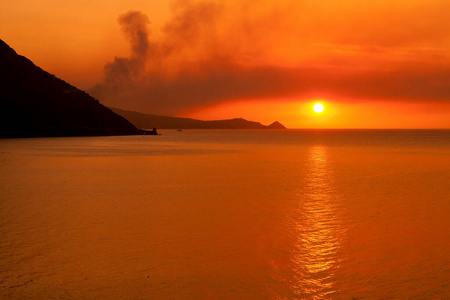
<point x="35" y="103"/>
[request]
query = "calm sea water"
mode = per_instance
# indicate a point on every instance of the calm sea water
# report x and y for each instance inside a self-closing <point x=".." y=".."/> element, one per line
<point x="292" y="214"/>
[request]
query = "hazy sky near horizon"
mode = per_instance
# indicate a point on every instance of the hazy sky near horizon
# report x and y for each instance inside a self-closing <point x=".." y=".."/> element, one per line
<point x="374" y="64"/>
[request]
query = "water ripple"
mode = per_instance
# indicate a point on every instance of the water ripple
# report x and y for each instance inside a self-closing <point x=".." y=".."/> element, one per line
<point x="318" y="229"/>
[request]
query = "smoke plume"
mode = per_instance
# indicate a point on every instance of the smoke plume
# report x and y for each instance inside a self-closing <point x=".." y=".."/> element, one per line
<point x="126" y="73"/>
<point x="213" y="51"/>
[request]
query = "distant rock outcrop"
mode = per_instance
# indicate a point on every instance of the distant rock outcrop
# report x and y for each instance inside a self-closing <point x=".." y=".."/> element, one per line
<point x="276" y="125"/>
<point x="35" y="103"/>
<point x="149" y="121"/>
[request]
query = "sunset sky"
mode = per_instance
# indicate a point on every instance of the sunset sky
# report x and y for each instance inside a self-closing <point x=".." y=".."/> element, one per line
<point x="372" y="64"/>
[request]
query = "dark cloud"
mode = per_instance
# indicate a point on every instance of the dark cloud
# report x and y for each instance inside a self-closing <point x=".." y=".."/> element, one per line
<point x="171" y="96"/>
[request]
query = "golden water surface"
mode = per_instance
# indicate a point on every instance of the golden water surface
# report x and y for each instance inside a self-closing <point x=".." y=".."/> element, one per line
<point x="227" y="215"/>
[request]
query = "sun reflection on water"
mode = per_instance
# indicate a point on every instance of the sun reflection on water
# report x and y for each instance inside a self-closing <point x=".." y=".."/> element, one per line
<point x="319" y="229"/>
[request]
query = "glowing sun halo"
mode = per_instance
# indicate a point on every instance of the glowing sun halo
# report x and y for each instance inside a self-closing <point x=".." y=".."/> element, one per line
<point x="318" y="108"/>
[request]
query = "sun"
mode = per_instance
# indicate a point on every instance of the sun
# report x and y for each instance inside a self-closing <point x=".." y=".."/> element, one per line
<point x="318" y="108"/>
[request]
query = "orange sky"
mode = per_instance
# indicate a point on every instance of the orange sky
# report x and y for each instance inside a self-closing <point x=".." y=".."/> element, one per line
<point x="374" y="64"/>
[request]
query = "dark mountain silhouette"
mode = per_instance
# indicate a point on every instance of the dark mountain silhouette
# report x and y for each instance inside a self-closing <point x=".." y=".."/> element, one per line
<point x="35" y="103"/>
<point x="155" y="121"/>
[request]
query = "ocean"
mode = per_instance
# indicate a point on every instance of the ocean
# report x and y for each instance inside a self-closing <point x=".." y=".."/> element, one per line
<point x="227" y="214"/>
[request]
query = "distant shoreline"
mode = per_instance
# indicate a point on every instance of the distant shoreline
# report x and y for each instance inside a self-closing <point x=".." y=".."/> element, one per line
<point x="142" y="120"/>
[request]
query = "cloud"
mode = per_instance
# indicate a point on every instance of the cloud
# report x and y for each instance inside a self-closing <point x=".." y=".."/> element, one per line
<point x="215" y="51"/>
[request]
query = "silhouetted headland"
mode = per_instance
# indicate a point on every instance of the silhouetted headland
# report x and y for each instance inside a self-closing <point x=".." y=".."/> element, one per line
<point x="35" y="103"/>
<point x="149" y="121"/>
